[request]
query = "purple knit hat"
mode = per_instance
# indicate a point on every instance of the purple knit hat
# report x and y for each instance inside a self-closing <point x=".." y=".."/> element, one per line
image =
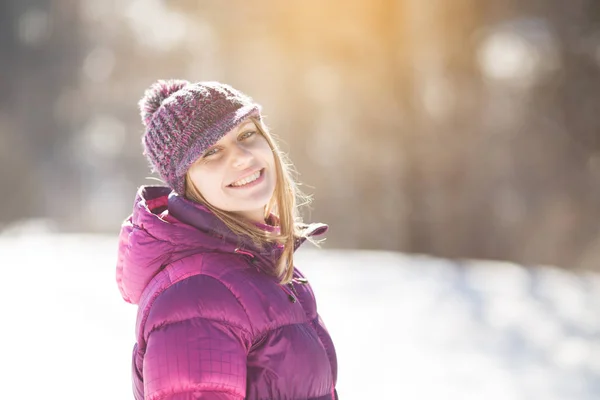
<point x="183" y="119"/>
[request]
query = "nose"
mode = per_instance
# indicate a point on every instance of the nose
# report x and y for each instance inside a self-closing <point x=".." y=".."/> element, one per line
<point x="241" y="157"/>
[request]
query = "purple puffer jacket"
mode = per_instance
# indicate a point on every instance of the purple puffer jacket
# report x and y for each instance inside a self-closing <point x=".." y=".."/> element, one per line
<point x="211" y="323"/>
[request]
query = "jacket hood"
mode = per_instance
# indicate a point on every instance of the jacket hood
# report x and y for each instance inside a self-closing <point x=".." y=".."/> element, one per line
<point x="165" y="227"/>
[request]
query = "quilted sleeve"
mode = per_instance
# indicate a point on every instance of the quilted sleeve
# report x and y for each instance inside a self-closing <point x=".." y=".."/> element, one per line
<point x="196" y="343"/>
<point x="195" y="359"/>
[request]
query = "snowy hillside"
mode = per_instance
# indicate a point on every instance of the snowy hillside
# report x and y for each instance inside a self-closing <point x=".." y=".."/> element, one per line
<point x="405" y="327"/>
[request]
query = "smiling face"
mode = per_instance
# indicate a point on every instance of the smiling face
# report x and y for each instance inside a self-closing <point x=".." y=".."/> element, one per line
<point x="237" y="174"/>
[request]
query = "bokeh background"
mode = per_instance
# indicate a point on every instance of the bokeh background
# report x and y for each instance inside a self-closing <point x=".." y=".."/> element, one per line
<point x="458" y="128"/>
<point x="461" y="129"/>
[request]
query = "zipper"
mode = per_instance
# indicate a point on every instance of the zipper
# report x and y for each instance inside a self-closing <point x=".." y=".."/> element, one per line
<point x="252" y="261"/>
<point x="291" y="285"/>
<point x="290" y="296"/>
<point x="301" y="281"/>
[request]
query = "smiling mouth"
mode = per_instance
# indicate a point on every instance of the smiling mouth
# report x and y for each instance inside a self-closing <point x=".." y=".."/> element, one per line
<point x="247" y="180"/>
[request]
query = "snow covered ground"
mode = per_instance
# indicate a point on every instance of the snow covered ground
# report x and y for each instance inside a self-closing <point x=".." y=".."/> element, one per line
<point x="405" y="327"/>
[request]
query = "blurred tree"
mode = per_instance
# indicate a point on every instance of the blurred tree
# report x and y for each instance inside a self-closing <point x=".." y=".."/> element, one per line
<point x="460" y="129"/>
<point x="39" y="57"/>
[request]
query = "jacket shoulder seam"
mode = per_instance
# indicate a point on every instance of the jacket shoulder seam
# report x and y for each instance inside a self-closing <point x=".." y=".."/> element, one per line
<point x="228" y="287"/>
<point x="179" y="321"/>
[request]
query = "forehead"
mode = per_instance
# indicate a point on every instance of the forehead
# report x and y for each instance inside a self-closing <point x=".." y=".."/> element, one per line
<point x="240" y="127"/>
<point x="245" y="124"/>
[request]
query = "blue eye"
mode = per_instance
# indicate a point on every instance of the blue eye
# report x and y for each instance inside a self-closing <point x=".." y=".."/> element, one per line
<point x="210" y="153"/>
<point x="246" y="135"/>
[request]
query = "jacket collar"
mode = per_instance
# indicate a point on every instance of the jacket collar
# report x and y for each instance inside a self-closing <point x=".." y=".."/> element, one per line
<point x="203" y="219"/>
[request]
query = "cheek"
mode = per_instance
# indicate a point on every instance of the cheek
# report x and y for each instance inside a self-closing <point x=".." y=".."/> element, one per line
<point x="207" y="182"/>
<point x="266" y="153"/>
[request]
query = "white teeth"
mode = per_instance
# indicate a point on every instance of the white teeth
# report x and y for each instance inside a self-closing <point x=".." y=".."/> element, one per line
<point x="247" y="180"/>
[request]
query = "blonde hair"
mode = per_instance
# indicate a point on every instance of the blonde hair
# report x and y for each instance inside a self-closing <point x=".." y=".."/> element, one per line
<point x="283" y="204"/>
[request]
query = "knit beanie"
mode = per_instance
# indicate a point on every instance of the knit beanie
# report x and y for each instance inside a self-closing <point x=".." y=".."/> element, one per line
<point x="183" y="119"/>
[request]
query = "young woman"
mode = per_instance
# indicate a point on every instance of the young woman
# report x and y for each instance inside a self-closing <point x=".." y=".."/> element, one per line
<point x="209" y="258"/>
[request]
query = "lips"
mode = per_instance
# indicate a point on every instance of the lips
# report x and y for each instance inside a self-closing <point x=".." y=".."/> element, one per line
<point x="247" y="180"/>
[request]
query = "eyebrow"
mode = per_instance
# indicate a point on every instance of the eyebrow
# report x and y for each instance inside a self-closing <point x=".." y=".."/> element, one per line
<point x="245" y="125"/>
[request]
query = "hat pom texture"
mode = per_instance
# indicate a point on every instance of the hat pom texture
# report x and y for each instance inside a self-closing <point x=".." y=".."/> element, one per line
<point x="155" y="95"/>
<point x="184" y="119"/>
